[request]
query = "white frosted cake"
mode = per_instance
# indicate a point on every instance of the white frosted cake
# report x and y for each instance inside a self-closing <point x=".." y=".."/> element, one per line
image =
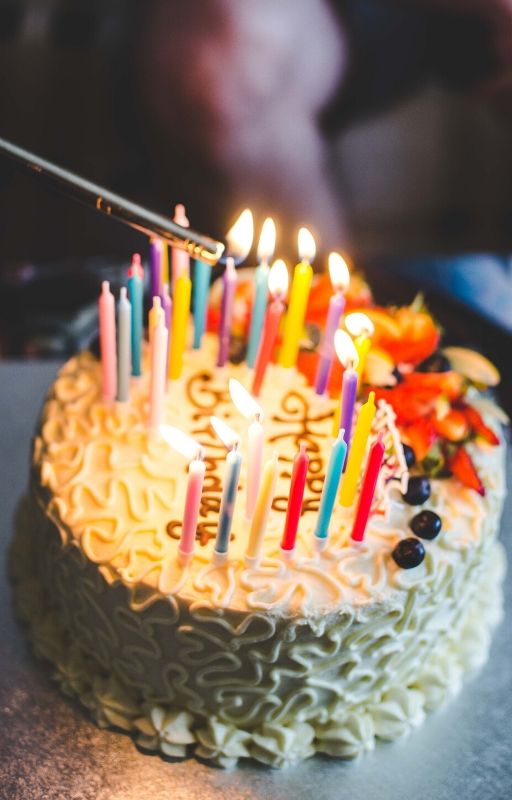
<point x="325" y="652"/>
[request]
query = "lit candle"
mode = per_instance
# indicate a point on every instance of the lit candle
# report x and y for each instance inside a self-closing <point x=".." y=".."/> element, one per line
<point x="201" y="290"/>
<point x="239" y="237"/>
<point x="107" y="318"/>
<point x="347" y="354"/>
<point x="136" y="295"/>
<point x="155" y="312"/>
<point x="248" y="406"/>
<point x="229" y="281"/>
<point x="166" y="301"/>
<point x="296" y="496"/>
<point x="340" y="279"/>
<point x="362" y="328"/>
<point x="357" y="451"/>
<point x="193" y="452"/>
<point x="266" y="247"/>
<point x="124" y="332"/>
<point x="262" y="511"/>
<point x="368" y="486"/>
<point x="330" y="489"/>
<point x="180" y="312"/>
<point x="230" y="486"/>
<point x="180" y="259"/>
<point x="278" y="287"/>
<point x="155" y="266"/>
<point x="157" y="382"/>
<point x="299" y="295"/>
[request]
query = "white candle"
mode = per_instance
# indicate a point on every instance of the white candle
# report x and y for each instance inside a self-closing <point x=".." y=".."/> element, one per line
<point x="262" y="510"/>
<point x="124" y="346"/>
<point x="158" y="373"/>
<point x="251" y="409"/>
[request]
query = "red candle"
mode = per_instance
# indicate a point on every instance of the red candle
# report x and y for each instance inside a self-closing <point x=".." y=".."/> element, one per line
<point x="278" y="286"/>
<point x="297" y="486"/>
<point x="371" y="475"/>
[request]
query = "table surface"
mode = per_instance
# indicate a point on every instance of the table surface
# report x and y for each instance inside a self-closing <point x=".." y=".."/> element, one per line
<point x="50" y="749"/>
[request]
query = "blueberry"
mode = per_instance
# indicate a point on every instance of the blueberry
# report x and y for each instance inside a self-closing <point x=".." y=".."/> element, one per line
<point x="427" y="524"/>
<point x="437" y="362"/>
<point x="410" y="458"/>
<point x="408" y="553"/>
<point x="418" y="491"/>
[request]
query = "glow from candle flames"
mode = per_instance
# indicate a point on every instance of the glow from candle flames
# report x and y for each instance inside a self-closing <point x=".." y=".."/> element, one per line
<point x="267" y="242"/>
<point x="278" y="279"/>
<point x="181" y="442"/>
<point x="244" y="401"/>
<point x="239" y="237"/>
<point x="338" y="271"/>
<point x="226" y="434"/>
<point x="345" y="349"/>
<point x="358" y="324"/>
<point x="307" y="245"/>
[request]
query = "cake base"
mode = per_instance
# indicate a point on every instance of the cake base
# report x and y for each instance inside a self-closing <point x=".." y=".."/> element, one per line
<point x="176" y="732"/>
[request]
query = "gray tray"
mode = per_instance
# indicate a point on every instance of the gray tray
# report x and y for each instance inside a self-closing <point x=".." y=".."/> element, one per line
<point x="50" y="749"/>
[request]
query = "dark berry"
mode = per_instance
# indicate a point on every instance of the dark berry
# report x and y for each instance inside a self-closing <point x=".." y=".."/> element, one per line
<point x="427" y="524"/>
<point x="418" y="491"/>
<point x="398" y="375"/>
<point x="408" y="553"/>
<point x="437" y="362"/>
<point x="410" y="458"/>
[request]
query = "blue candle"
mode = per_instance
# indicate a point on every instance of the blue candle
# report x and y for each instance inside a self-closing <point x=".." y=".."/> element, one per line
<point x="124" y="332"/>
<point x="201" y="291"/>
<point x="259" y="308"/>
<point x="136" y="295"/>
<point x="227" y="504"/>
<point x="330" y="487"/>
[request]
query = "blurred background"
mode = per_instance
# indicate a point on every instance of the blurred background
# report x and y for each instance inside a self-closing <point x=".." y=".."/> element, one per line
<point x="383" y="125"/>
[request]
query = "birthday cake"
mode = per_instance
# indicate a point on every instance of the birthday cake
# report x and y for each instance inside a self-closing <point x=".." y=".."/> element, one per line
<point x="296" y="647"/>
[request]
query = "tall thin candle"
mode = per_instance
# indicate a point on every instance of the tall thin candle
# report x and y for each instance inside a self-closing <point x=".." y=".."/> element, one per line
<point x="278" y="286"/>
<point x="201" y="290"/>
<point x="340" y="280"/>
<point x="299" y="295"/>
<point x="155" y="313"/>
<point x="357" y="451"/>
<point x="180" y="260"/>
<point x="265" y="252"/>
<point x="360" y="326"/>
<point x="262" y="511"/>
<point x="230" y="486"/>
<point x="180" y="313"/>
<point x="229" y="282"/>
<point x="368" y="487"/>
<point x="107" y="318"/>
<point x="166" y="301"/>
<point x="330" y="488"/>
<point x="295" y="500"/>
<point x="124" y="332"/>
<point x="248" y="406"/>
<point x="136" y="295"/>
<point x="155" y="266"/>
<point x="347" y="354"/>
<point x="157" y="377"/>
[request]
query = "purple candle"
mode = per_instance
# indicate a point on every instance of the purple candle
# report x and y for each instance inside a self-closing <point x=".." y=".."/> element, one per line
<point x="155" y="267"/>
<point x="348" y="401"/>
<point x="166" y="301"/>
<point x="229" y="281"/>
<point x="340" y="279"/>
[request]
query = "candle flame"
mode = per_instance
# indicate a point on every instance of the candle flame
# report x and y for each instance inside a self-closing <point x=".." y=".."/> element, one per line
<point x="307" y="246"/>
<point x="278" y="279"/>
<point x="339" y="273"/>
<point x="226" y="434"/>
<point x="240" y="235"/>
<point x="244" y="401"/>
<point x="345" y="349"/>
<point x="358" y="324"/>
<point x="267" y="242"/>
<point x="181" y="442"/>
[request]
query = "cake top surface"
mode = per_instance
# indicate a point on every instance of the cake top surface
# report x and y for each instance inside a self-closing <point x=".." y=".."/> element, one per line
<point x="117" y="489"/>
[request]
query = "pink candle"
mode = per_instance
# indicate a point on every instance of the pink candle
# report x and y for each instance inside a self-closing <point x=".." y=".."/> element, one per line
<point x="107" y="318"/>
<point x="369" y="484"/>
<point x="158" y="378"/>
<point x="340" y="279"/>
<point x="229" y="281"/>
<point x="278" y="287"/>
<point x="294" y="510"/>
<point x="167" y="307"/>
<point x="196" y="473"/>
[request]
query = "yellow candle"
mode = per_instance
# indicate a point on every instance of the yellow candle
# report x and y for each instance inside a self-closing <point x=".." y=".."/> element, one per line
<point x="262" y="510"/>
<point x="363" y="344"/>
<point x="294" y="322"/>
<point x="180" y="312"/>
<point x="165" y="263"/>
<point x="357" y="451"/>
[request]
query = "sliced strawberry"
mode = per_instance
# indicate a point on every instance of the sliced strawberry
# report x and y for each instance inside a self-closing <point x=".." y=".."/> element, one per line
<point x="449" y="383"/>
<point x="461" y="464"/>
<point x="408" y="405"/>
<point x="420" y="435"/>
<point x="454" y="426"/>
<point x="478" y="426"/>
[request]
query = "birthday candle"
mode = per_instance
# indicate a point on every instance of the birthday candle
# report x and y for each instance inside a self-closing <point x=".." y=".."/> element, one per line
<point x="180" y="260"/>
<point x="107" y="319"/>
<point x="330" y="487"/>
<point x="296" y="496"/>
<point x="166" y="302"/>
<point x="124" y="332"/>
<point x="299" y="295"/>
<point x="278" y="287"/>
<point x="157" y="377"/>
<point x="265" y="251"/>
<point x="229" y="281"/>
<point x="347" y="354"/>
<point x="230" y="485"/>
<point x="180" y="312"/>
<point x="368" y="486"/>
<point x="136" y="295"/>
<point x="340" y="280"/>
<point x="262" y="510"/>
<point x="357" y="451"/>
<point x="201" y="290"/>
<point x="155" y="312"/>
<point x="165" y="263"/>
<point x="362" y="328"/>
<point x="155" y="266"/>
<point x="248" y="406"/>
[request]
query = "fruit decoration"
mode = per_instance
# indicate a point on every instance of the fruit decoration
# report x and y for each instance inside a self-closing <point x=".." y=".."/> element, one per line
<point x="427" y="524"/>
<point x="408" y="553"/>
<point x="418" y="491"/>
<point x="461" y="465"/>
